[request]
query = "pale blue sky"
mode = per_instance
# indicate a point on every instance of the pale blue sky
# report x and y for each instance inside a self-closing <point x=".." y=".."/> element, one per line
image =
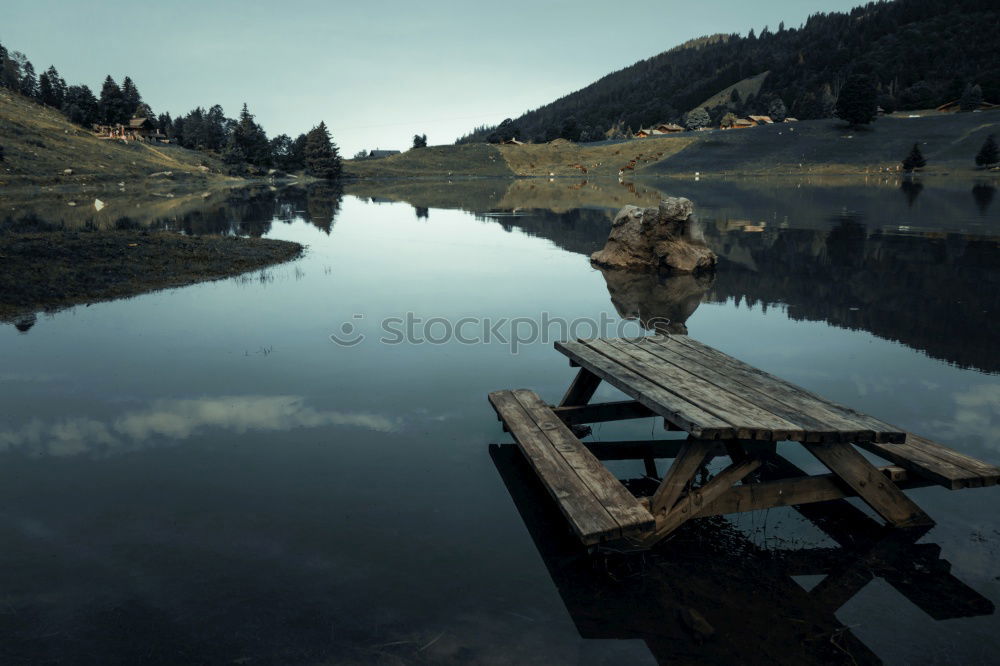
<point x="376" y="71"/>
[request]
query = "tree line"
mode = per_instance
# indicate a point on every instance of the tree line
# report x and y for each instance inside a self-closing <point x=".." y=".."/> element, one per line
<point x="916" y="53"/>
<point x="241" y="142"/>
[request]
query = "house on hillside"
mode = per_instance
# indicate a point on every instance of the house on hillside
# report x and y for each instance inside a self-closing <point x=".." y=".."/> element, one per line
<point x="382" y="153"/>
<point x="512" y="142"/>
<point x="791" y="120"/>
<point x="137" y="129"/>
<point x="741" y="123"/>
<point x="762" y="120"/>
<point x="668" y="128"/>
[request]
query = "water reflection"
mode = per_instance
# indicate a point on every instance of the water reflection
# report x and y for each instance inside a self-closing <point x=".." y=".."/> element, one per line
<point x="713" y="596"/>
<point x="911" y="189"/>
<point x="177" y="420"/>
<point x="983" y="193"/>
<point x="659" y="303"/>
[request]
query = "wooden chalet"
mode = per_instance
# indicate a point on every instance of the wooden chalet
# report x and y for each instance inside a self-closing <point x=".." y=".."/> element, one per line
<point x="137" y="129"/>
<point x="668" y="128"/>
<point x="762" y="120"/>
<point x="741" y="123"/>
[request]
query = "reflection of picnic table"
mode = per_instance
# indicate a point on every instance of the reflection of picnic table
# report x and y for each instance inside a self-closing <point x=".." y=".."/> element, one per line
<point x="746" y="594"/>
<point x="728" y="408"/>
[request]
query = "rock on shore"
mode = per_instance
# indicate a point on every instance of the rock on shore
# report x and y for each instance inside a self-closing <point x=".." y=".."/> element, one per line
<point x="665" y="239"/>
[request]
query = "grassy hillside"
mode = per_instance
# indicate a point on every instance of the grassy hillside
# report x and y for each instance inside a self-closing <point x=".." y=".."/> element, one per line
<point x="558" y="158"/>
<point x="480" y="160"/>
<point x="40" y="143"/>
<point x="919" y="53"/>
<point x="748" y="87"/>
<point x="948" y="141"/>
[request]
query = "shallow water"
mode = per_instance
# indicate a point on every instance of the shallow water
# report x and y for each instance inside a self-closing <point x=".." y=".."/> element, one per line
<point x="201" y="475"/>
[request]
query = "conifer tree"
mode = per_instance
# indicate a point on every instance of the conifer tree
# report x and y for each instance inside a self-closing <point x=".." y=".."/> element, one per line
<point x="858" y="103"/>
<point x="322" y="159"/>
<point x="988" y="155"/>
<point x="28" y="83"/>
<point x="80" y="106"/>
<point x="110" y="105"/>
<point x="915" y="160"/>
<point x="131" y="99"/>
<point x="57" y="85"/>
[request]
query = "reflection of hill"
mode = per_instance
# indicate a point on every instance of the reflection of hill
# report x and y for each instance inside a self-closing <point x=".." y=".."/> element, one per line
<point x="581" y="230"/>
<point x="935" y="292"/>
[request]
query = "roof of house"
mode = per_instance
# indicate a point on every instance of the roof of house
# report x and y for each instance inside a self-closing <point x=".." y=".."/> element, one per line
<point x="762" y="119"/>
<point x="669" y="127"/>
<point x="382" y="153"/>
<point x="138" y="123"/>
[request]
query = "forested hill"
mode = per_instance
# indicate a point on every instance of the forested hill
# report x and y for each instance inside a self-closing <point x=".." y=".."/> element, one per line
<point x="920" y="54"/>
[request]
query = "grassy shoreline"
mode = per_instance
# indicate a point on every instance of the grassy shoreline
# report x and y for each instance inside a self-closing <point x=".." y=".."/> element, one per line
<point x="53" y="270"/>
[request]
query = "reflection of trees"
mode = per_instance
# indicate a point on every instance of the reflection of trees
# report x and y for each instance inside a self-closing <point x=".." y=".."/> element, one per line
<point x="933" y="292"/>
<point x="251" y="212"/>
<point x="911" y="189"/>
<point x="423" y="213"/>
<point x="930" y="292"/>
<point x="983" y="194"/>
<point x="582" y="230"/>
<point x="660" y="304"/>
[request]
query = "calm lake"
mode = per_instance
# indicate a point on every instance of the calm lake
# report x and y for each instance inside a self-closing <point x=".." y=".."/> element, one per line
<point x="203" y="475"/>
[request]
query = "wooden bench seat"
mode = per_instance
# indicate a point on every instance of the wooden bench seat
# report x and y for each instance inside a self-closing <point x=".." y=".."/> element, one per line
<point x="937" y="463"/>
<point x="598" y="507"/>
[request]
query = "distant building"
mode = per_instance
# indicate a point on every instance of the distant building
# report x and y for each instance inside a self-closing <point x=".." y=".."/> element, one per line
<point x="741" y="123"/>
<point x="382" y="153"/>
<point x="137" y="129"/>
<point x="512" y="142"/>
<point x="791" y="120"/>
<point x="668" y="128"/>
<point x="762" y="120"/>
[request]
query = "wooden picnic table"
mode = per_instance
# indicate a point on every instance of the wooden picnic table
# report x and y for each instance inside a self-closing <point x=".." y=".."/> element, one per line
<point x="728" y="408"/>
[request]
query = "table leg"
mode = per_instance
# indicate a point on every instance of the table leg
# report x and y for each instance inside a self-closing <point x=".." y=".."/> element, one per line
<point x="872" y="486"/>
<point x="691" y="456"/>
<point x="581" y="390"/>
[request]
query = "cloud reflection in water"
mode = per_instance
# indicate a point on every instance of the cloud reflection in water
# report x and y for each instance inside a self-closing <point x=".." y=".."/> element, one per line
<point x="179" y="420"/>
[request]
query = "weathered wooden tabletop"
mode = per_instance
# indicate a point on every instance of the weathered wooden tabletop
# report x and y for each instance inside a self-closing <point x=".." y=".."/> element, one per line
<point x="714" y="396"/>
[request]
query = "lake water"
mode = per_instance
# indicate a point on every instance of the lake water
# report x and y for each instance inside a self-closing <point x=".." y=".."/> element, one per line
<point x="202" y="475"/>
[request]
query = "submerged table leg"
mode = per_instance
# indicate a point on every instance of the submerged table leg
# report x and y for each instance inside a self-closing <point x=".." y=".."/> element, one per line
<point x="870" y="484"/>
<point x="581" y="390"/>
<point x="691" y="456"/>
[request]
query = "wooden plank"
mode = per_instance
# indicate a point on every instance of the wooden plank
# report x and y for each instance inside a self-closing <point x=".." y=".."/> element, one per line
<point x="942" y="465"/>
<point x="673" y="408"/>
<point x="588" y="518"/>
<point x="819" y="423"/>
<point x="751" y="421"/>
<point x="691" y="456"/>
<point x="880" y="493"/>
<point x="603" y="412"/>
<point x="689" y="505"/>
<point x="582" y="389"/>
<point x="617" y="501"/>
<point x="882" y="432"/>
<point x="793" y="492"/>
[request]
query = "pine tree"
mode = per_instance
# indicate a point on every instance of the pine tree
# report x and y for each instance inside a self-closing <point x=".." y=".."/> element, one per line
<point x="110" y="106"/>
<point x="45" y="89"/>
<point x="28" y="83"/>
<point x="988" y="155"/>
<point x="57" y="88"/>
<point x="80" y="106"/>
<point x="251" y="139"/>
<point x="857" y="103"/>
<point x="420" y="140"/>
<point x="915" y="160"/>
<point x="322" y="159"/>
<point x="131" y="99"/>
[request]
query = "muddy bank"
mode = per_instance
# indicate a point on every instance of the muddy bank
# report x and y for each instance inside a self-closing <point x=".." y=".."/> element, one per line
<point x="51" y="270"/>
